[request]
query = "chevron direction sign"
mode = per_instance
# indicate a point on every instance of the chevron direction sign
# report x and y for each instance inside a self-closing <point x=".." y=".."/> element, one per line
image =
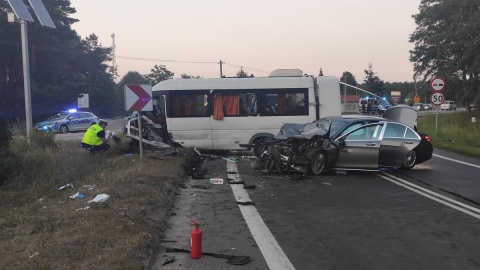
<point x="138" y="97"/>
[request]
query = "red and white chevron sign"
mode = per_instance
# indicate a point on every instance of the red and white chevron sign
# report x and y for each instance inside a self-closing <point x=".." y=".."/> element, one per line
<point x="138" y="97"/>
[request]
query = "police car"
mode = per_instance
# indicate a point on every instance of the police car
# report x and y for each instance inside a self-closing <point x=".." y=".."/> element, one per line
<point x="67" y="121"/>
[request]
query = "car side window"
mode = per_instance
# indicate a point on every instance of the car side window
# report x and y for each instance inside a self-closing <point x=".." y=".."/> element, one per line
<point x="85" y="115"/>
<point x="352" y="127"/>
<point x="73" y="116"/>
<point x="365" y="133"/>
<point x="410" y="134"/>
<point x="394" y="130"/>
<point x="374" y="131"/>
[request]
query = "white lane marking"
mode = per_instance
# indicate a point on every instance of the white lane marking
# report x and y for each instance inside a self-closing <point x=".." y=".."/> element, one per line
<point x="458" y="161"/>
<point x="271" y="250"/>
<point x="433" y="197"/>
<point x="435" y="194"/>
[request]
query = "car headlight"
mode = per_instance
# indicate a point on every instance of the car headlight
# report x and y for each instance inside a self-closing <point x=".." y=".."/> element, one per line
<point x="380" y="107"/>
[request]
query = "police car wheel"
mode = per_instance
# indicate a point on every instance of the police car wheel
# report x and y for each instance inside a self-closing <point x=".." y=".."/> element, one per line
<point x="63" y="129"/>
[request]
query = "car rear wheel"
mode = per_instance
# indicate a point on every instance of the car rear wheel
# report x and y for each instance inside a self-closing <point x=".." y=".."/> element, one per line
<point x="63" y="129"/>
<point x="318" y="163"/>
<point x="409" y="161"/>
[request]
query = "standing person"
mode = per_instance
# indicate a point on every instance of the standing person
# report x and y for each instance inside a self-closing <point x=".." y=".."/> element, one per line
<point x="369" y="107"/>
<point x="244" y="110"/>
<point x="363" y="108"/>
<point x="94" y="138"/>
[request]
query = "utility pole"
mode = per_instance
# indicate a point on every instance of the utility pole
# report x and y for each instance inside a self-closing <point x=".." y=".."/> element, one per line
<point x="221" y="71"/>
<point x="345" y="96"/>
<point x="114" y="63"/>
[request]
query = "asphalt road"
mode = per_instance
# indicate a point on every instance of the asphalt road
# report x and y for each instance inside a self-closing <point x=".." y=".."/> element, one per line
<point x="425" y="218"/>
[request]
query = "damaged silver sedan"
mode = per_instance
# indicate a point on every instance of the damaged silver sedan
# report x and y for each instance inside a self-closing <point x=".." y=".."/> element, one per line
<point x="348" y="143"/>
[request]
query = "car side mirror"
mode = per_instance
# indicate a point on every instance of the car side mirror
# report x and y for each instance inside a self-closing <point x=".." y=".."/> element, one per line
<point x="341" y="143"/>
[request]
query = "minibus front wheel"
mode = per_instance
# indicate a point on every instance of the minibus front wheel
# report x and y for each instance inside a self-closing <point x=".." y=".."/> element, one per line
<point x="259" y="146"/>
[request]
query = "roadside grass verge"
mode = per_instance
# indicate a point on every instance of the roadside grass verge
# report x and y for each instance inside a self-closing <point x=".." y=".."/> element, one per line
<point x="455" y="132"/>
<point x="42" y="228"/>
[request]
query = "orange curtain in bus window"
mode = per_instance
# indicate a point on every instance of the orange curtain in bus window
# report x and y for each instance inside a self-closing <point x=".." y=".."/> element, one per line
<point x="218" y="107"/>
<point x="190" y="105"/>
<point x="232" y="105"/>
<point x="282" y="104"/>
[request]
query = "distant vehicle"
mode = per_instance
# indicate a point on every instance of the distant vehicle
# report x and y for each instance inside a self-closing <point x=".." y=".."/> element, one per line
<point x="67" y="121"/>
<point x="377" y="105"/>
<point x="240" y="113"/>
<point x="448" y="105"/>
<point x="349" y="143"/>
<point x="428" y="107"/>
<point x="419" y="106"/>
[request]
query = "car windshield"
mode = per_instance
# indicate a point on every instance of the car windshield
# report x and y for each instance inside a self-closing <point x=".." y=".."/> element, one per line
<point x="319" y="127"/>
<point x="336" y="126"/>
<point x="58" y="116"/>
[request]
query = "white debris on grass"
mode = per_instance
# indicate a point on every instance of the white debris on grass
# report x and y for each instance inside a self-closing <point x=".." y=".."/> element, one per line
<point x="100" y="198"/>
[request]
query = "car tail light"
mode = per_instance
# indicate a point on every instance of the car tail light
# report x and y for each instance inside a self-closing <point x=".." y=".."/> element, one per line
<point x="427" y="138"/>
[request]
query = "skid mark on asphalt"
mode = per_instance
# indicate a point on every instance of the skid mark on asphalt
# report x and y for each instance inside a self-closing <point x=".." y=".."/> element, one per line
<point x="271" y="250"/>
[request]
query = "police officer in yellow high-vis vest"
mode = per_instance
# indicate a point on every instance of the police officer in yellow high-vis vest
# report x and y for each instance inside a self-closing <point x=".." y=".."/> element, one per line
<point x="94" y="138"/>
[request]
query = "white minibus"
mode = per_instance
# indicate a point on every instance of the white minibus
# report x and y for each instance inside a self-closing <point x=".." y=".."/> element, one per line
<point x="240" y="113"/>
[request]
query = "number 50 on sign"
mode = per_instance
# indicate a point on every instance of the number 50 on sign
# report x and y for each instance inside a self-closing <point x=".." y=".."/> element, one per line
<point x="437" y="98"/>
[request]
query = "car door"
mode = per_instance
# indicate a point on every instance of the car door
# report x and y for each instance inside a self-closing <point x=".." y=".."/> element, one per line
<point x="359" y="147"/>
<point x="397" y="140"/>
<point x="85" y="120"/>
<point x="73" y="122"/>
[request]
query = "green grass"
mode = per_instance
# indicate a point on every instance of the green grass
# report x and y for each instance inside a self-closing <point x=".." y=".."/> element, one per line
<point x="455" y="131"/>
<point x="42" y="228"/>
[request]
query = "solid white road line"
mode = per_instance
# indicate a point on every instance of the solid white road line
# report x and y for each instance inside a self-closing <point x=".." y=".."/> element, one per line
<point x="458" y="161"/>
<point x="435" y="194"/>
<point x="441" y="199"/>
<point x="271" y="250"/>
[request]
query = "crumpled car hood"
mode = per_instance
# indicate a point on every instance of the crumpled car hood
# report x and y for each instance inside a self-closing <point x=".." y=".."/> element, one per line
<point x="308" y="130"/>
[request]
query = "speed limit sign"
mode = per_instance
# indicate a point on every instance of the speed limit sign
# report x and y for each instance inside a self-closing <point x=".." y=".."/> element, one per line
<point x="437" y="98"/>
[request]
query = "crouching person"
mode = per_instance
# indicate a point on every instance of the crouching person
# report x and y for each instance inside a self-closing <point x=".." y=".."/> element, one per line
<point x="95" y="138"/>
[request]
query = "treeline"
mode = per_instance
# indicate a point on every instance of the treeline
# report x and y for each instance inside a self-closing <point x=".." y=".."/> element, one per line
<point x="62" y="65"/>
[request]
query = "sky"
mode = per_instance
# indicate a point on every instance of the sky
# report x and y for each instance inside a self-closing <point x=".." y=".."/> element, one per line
<point x="193" y="36"/>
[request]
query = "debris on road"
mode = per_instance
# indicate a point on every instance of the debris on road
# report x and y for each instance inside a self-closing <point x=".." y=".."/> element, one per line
<point x="216" y="181"/>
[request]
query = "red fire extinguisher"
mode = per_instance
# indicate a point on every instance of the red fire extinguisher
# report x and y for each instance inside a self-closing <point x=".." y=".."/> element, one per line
<point x="195" y="240"/>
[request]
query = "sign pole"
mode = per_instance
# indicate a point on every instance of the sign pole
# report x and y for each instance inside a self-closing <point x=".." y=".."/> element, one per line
<point x="437" y="98"/>
<point x="22" y="13"/>
<point x="140" y="134"/>
<point x="26" y="80"/>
